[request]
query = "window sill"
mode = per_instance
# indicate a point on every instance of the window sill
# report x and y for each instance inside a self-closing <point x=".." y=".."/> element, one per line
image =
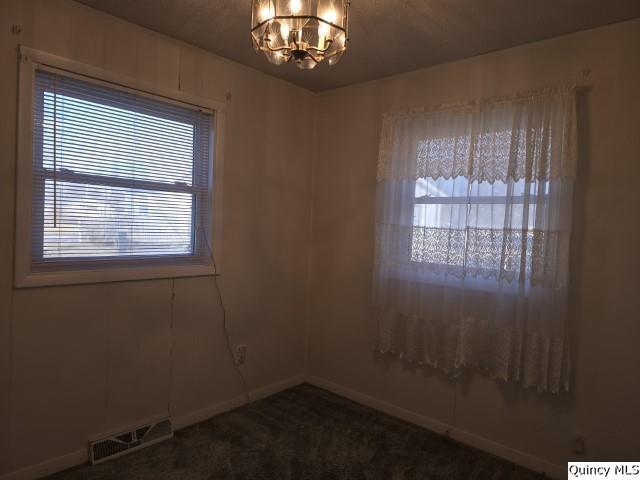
<point x="104" y="275"/>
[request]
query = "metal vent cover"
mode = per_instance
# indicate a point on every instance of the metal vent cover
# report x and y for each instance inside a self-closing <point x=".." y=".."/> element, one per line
<point x="130" y="440"/>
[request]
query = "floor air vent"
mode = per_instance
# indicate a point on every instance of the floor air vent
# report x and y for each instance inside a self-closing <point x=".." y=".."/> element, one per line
<point x="130" y="440"/>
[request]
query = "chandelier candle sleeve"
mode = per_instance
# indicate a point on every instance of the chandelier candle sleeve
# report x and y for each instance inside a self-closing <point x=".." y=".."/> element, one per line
<point x="306" y="31"/>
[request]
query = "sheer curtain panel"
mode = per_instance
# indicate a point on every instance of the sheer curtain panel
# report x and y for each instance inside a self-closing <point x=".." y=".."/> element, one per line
<point x="473" y="220"/>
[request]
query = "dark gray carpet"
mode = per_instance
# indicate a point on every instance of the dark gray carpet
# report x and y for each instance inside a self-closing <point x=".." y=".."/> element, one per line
<point x="303" y="433"/>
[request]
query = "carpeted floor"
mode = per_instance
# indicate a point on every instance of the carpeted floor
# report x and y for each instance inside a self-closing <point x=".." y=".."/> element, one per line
<point x="303" y="433"/>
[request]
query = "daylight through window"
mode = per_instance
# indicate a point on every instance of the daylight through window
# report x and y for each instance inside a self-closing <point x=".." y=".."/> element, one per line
<point x="117" y="176"/>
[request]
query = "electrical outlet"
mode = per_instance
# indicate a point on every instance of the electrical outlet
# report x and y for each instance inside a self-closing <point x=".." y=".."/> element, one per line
<point x="578" y="444"/>
<point x="241" y="354"/>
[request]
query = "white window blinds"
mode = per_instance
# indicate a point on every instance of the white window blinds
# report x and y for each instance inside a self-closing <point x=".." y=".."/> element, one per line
<point x="117" y="176"/>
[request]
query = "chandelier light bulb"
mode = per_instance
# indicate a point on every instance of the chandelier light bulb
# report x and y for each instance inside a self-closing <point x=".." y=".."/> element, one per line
<point x="324" y="30"/>
<point x="330" y="16"/>
<point x="295" y="6"/>
<point x="305" y="31"/>
<point x="284" y="32"/>
<point x="266" y="12"/>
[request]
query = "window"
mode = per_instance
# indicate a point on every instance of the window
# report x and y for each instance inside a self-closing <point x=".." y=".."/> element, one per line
<point x="458" y="224"/>
<point x="120" y="181"/>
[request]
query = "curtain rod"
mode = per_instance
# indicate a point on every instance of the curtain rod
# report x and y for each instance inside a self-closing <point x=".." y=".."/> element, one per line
<point x="518" y="96"/>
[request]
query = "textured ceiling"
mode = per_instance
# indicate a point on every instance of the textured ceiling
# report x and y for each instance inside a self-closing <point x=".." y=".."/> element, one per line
<point x="387" y="36"/>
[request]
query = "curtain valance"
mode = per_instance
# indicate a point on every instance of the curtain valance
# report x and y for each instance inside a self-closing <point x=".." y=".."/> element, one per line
<point x="487" y="140"/>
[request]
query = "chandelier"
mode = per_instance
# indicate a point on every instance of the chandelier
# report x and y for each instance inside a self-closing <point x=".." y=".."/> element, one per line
<point x="307" y="31"/>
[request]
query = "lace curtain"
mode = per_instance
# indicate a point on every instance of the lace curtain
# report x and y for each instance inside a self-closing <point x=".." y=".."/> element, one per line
<point x="473" y="221"/>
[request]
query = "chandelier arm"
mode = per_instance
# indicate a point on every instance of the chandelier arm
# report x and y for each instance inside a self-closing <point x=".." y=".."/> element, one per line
<point x="279" y="49"/>
<point x="343" y="49"/>
<point x="322" y="50"/>
<point x="285" y="55"/>
<point x="313" y="58"/>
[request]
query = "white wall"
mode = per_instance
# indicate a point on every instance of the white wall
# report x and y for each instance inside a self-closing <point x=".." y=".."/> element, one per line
<point x="605" y="262"/>
<point x="76" y="361"/>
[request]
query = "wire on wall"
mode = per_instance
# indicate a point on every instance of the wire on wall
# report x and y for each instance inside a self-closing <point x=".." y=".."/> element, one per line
<point x="226" y="333"/>
<point x="225" y="328"/>
<point x="218" y="290"/>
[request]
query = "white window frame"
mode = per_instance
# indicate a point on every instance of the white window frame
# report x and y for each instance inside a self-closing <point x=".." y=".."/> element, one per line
<point x="462" y="200"/>
<point x="24" y="276"/>
<point x="475" y="283"/>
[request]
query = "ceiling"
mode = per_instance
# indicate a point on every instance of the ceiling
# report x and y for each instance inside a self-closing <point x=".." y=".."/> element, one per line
<point x="387" y="36"/>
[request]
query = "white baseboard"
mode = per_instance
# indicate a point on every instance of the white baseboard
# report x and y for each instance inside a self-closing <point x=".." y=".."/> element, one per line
<point x="499" y="450"/>
<point x="48" y="467"/>
<point x="79" y="457"/>
<point x="209" y="411"/>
